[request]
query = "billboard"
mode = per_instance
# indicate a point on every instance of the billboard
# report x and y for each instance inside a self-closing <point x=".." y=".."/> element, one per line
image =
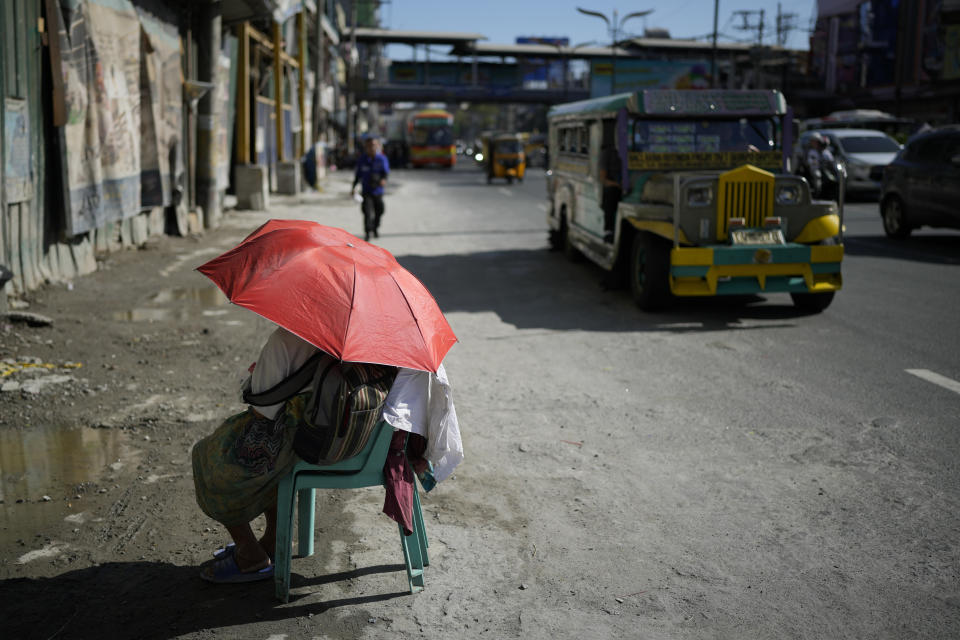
<point x="452" y="74"/>
<point x="635" y="75"/>
<point x="539" y="73"/>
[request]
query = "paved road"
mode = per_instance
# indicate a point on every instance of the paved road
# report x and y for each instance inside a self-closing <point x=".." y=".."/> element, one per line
<point x="812" y="457"/>
<point x="724" y="469"/>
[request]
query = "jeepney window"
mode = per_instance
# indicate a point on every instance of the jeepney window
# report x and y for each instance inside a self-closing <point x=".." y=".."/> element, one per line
<point x="691" y="136"/>
<point x="584" y="140"/>
<point x="572" y="140"/>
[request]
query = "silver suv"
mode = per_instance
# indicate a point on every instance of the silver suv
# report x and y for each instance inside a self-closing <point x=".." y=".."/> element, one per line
<point x="862" y="151"/>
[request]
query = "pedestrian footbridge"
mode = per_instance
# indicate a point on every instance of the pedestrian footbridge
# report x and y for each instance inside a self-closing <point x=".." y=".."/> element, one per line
<point x="471" y="71"/>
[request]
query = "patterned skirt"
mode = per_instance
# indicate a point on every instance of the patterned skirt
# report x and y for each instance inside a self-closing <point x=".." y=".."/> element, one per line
<point x="237" y="468"/>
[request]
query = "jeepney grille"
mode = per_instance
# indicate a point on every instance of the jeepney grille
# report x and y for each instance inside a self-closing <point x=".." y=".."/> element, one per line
<point x="750" y="198"/>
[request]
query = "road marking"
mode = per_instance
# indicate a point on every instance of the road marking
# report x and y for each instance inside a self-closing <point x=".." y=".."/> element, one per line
<point x="542" y="207"/>
<point x="936" y="379"/>
<point x="505" y="191"/>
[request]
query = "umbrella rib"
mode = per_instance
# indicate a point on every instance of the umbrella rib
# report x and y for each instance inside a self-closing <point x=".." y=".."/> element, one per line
<point x="353" y="297"/>
<point x="413" y="315"/>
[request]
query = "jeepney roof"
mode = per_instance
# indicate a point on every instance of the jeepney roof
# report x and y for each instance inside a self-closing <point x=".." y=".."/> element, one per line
<point x="680" y="103"/>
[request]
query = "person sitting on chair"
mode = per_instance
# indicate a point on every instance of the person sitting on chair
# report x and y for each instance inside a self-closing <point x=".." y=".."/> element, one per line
<point x="237" y="469"/>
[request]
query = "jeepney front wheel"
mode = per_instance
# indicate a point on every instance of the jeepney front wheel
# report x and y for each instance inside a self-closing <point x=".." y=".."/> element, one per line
<point x="650" y="271"/>
<point x="814" y="302"/>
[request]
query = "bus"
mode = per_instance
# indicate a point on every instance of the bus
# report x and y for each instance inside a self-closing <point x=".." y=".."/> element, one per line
<point x="431" y="139"/>
<point x="706" y="207"/>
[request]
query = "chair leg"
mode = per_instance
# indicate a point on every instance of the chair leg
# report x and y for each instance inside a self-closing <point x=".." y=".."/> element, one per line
<point x="419" y="527"/>
<point x="307" y="500"/>
<point x="282" y="552"/>
<point x="412" y="559"/>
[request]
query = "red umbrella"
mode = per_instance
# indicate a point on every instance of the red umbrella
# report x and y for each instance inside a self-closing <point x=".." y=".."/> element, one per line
<point x="348" y="297"/>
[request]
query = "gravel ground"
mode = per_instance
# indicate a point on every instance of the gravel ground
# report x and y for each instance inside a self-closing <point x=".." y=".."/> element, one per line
<point x="598" y="499"/>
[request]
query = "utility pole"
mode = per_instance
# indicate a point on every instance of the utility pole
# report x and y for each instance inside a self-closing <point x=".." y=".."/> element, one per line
<point x="713" y="49"/>
<point x="208" y="60"/>
<point x="351" y="79"/>
<point x="748" y="25"/>
<point x="784" y="26"/>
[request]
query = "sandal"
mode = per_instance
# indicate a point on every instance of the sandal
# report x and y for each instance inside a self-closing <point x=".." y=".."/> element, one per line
<point x="228" y="549"/>
<point x="224" y="551"/>
<point x="224" y="570"/>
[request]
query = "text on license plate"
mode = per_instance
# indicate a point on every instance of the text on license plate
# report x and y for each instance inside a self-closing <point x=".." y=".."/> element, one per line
<point x="757" y="236"/>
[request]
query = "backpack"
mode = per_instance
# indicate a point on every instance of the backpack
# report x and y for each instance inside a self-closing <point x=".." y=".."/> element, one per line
<point x="344" y="405"/>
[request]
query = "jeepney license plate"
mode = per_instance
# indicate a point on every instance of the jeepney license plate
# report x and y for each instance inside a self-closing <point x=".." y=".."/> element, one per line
<point x="757" y="236"/>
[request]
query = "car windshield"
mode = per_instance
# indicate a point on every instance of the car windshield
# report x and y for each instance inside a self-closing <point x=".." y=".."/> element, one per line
<point x="693" y="136"/>
<point x="868" y="144"/>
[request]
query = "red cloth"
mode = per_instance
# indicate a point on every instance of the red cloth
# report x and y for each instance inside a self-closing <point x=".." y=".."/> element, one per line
<point x="398" y="477"/>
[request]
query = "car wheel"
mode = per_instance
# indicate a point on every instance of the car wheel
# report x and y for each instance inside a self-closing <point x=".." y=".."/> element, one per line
<point x="894" y="218"/>
<point x="650" y="271"/>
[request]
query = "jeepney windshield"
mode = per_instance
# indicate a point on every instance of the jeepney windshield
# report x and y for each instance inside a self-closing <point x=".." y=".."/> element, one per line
<point x="696" y="136"/>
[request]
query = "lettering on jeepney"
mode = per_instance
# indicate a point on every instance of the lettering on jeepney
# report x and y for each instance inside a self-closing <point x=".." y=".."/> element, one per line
<point x="572" y="167"/>
<point x="645" y="160"/>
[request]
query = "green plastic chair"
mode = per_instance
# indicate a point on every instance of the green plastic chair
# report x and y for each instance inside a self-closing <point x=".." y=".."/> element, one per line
<point x="362" y="470"/>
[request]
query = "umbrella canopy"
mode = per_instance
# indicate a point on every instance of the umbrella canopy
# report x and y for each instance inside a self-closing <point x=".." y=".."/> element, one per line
<point x="347" y="297"/>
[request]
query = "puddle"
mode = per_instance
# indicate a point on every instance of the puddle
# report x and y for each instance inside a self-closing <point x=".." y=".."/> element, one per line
<point x="47" y="461"/>
<point x="177" y="304"/>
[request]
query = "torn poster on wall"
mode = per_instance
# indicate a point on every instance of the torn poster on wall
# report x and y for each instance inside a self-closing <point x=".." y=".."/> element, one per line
<point x="121" y="77"/>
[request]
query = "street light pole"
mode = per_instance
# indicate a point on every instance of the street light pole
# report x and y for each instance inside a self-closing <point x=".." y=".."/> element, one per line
<point x="615" y="27"/>
<point x="565" y="52"/>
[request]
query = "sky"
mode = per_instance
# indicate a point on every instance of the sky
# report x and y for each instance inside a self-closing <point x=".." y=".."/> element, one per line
<point x="503" y="20"/>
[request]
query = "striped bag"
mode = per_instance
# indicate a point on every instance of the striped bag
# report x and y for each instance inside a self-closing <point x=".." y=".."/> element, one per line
<point x="344" y="405"/>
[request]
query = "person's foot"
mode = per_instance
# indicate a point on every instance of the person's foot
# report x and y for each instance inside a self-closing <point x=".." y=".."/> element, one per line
<point x="366" y="236"/>
<point x="251" y="558"/>
<point x="229" y="567"/>
<point x="376" y="234"/>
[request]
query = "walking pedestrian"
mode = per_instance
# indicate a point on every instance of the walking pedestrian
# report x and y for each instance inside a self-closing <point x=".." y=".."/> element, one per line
<point x="372" y="171"/>
<point x="815" y="161"/>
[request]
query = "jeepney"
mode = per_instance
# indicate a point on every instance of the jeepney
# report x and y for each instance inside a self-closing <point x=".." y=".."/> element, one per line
<point x="706" y="207"/>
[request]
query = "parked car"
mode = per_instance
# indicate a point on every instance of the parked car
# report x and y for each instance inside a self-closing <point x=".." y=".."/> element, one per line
<point x="921" y="187"/>
<point x="862" y="151"/>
